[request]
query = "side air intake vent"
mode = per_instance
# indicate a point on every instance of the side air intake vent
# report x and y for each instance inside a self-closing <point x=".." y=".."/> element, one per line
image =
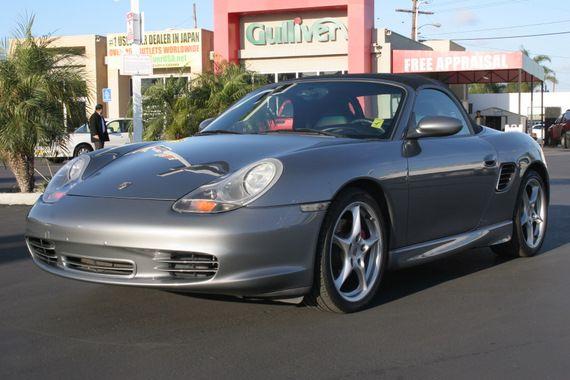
<point x="187" y="265"/>
<point x="506" y="176"/>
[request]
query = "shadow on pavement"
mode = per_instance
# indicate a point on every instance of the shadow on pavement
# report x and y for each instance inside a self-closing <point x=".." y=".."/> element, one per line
<point x="559" y="181"/>
<point x="408" y="281"/>
<point x="405" y="282"/>
<point x="558" y="233"/>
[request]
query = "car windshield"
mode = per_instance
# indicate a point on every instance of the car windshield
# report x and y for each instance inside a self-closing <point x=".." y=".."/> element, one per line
<point x="83" y="129"/>
<point x="335" y="108"/>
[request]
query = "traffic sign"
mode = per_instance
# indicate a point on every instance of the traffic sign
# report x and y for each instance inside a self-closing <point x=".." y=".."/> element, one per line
<point x="133" y="64"/>
<point x="107" y="95"/>
<point x="134" y="30"/>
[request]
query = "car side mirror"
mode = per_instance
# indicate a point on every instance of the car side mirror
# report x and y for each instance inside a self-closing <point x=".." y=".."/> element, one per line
<point x="435" y="126"/>
<point x="205" y="123"/>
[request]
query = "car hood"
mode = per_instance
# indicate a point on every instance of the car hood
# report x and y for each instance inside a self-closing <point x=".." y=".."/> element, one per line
<point x="169" y="170"/>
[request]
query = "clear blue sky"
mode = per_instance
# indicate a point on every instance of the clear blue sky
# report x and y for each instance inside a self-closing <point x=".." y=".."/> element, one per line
<point x="458" y="19"/>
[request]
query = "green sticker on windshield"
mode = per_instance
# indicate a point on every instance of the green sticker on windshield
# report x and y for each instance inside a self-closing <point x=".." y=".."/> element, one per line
<point x="377" y="123"/>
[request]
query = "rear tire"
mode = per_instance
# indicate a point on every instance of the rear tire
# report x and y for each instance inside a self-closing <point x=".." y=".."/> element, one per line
<point x="82" y="149"/>
<point x="529" y="221"/>
<point x="351" y="256"/>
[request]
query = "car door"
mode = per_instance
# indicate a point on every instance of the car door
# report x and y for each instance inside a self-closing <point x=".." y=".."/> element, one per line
<point x="565" y="124"/>
<point x="126" y="127"/>
<point x="554" y="129"/>
<point x="116" y="136"/>
<point x="450" y="178"/>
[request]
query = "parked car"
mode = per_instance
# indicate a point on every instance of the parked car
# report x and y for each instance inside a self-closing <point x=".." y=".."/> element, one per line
<point x="79" y="142"/>
<point x="375" y="172"/>
<point x="537" y="132"/>
<point x="559" y="132"/>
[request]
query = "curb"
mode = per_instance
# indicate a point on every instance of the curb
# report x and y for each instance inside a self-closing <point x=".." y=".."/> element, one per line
<point x="27" y="199"/>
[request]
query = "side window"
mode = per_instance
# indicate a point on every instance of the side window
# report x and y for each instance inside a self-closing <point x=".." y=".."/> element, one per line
<point x="126" y="125"/>
<point x="436" y="103"/>
<point x="114" y="127"/>
<point x="567" y="116"/>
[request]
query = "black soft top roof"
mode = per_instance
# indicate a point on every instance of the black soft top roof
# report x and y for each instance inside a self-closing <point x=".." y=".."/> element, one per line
<point x="411" y="80"/>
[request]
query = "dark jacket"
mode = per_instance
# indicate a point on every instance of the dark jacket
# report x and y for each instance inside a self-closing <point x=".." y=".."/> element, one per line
<point x="96" y="128"/>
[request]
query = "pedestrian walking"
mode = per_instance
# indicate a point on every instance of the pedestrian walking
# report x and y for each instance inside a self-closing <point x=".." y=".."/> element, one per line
<point x="98" y="128"/>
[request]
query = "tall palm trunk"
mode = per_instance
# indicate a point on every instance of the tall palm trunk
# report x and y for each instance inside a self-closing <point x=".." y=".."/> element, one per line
<point x="22" y="166"/>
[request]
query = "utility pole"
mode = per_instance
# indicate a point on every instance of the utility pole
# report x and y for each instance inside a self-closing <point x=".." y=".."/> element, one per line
<point x="136" y="79"/>
<point x="415" y="11"/>
<point x="195" y="16"/>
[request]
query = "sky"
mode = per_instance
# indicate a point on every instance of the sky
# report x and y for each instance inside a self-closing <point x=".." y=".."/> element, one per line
<point x="458" y="19"/>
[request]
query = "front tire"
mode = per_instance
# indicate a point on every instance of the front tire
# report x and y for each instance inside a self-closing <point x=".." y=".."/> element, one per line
<point x="564" y="141"/>
<point x="530" y="219"/>
<point x="351" y="255"/>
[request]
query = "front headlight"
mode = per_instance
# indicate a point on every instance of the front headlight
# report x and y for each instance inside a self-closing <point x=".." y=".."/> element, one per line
<point x="65" y="179"/>
<point x="234" y="191"/>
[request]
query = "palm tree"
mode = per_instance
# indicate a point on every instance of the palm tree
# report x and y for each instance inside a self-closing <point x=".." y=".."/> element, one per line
<point x="162" y="106"/>
<point x="549" y="74"/>
<point x="491" y="88"/>
<point x="174" y="109"/>
<point x="37" y="82"/>
<point x="541" y="59"/>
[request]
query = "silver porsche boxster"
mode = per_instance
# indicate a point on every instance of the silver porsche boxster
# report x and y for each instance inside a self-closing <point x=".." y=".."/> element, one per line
<point x="309" y="188"/>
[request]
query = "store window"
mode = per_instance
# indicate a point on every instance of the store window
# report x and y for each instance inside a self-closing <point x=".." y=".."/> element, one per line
<point x="286" y="76"/>
<point x="308" y="74"/>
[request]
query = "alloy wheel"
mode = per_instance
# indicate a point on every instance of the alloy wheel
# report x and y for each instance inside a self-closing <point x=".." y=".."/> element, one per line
<point x="533" y="213"/>
<point x="356" y="251"/>
<point x="81" y="151"/>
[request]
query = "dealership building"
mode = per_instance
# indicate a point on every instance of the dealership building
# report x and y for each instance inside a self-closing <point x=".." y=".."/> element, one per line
<point x="297" y="38"/>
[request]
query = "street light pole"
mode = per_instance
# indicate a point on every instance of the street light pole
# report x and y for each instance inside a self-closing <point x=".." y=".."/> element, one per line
<point x="137" y="84"/>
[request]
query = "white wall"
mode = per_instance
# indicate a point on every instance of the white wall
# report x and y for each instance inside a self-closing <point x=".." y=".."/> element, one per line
<point x="510" y="102"/>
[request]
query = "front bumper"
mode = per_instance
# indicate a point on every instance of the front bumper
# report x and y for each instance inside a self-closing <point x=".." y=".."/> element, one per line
<point x="263" y="252"/>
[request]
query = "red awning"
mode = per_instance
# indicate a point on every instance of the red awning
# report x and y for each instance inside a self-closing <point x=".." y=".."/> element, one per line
<point x="464" y="67"/>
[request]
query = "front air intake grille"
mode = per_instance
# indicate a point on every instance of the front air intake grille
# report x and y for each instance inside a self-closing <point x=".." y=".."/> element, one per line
<point x="187" y="265"/>
<point x="43" y="250"/>
<point x="506" y="176"/>
<point x="99" y="266"/>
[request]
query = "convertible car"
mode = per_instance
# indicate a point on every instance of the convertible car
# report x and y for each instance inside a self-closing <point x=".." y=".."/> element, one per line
<point x="309" y="188"/>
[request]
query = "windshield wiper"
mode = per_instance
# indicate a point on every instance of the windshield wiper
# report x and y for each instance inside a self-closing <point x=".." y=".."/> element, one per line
<point x="303" y="130"/>
<point x="219" y="132"/>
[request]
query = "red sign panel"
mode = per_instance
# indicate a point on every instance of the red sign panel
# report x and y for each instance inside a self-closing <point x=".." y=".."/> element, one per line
<point x="427" y="61"/>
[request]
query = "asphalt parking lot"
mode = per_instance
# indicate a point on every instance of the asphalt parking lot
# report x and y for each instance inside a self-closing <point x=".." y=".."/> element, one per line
<point x="468" y="316"/>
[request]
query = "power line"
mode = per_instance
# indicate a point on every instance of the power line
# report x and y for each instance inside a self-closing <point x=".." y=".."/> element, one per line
<point x="510" y="37"/>
<point x="480" y="6"/>
<point x="505" y="50"/>
<point x="438" y="4"/>
<point x="503" y="27"/>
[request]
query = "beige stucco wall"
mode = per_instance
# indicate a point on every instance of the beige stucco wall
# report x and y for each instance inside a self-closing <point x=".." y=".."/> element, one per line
<point x="384" y="41"/>
<point x="92" y="63"/>
<point x="444" y="45"/>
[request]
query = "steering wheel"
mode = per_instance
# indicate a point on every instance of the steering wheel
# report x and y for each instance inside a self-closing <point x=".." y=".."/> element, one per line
<point x="362" y="121"/>
<point x="344" y="129"/>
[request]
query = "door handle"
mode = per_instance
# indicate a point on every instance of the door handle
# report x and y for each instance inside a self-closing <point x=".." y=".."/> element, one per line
<point x="490" y="161"/>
